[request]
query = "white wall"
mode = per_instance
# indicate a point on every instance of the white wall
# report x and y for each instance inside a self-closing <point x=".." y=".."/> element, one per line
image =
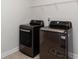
<point x="64" y="10"/>
<point x="14" y="13"/>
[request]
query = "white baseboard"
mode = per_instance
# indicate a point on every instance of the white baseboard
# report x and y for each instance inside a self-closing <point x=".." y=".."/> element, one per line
<point x="72" y="55"/>
<point x="9" y="52"/>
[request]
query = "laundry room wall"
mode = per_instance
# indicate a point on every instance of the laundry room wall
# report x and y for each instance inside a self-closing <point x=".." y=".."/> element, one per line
<point x="65" y="10"/>
<point x="14" y="13"/>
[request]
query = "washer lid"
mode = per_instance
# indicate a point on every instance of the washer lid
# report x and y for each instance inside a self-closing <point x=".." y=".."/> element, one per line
<point x="53" y="29"/>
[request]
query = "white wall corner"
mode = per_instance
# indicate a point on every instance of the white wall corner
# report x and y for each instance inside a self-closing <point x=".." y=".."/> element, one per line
<point x="9" y="52"/>
<point x="72" y="55"/>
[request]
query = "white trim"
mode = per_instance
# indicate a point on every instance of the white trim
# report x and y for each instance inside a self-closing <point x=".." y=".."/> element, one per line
<point x="54" y="3"/>
<point x="73" y="55"/>
<point x="9" y="52"/>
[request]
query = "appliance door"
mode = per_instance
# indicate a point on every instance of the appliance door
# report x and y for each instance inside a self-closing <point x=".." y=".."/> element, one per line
<point x="26" y="37"/>
<point x="25" y="44"/>
<point x="51" y="46"/>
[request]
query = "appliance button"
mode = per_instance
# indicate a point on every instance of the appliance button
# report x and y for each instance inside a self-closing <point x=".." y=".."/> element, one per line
<point x="63" y="37"/>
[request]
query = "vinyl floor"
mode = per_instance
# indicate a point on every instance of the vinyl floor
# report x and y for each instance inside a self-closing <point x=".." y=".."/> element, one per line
<point x="19" y="55"/>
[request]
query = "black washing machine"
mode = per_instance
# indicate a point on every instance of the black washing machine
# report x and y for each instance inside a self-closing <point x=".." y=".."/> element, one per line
<point x="54" y="40"/>
<point x="29" y="37"/>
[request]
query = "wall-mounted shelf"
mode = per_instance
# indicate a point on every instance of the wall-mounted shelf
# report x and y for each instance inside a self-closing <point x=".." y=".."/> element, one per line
<point x="39" y="4"/>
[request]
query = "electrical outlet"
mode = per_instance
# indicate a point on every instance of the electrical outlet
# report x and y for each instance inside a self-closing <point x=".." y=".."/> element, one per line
<point x="48" y="19"/>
